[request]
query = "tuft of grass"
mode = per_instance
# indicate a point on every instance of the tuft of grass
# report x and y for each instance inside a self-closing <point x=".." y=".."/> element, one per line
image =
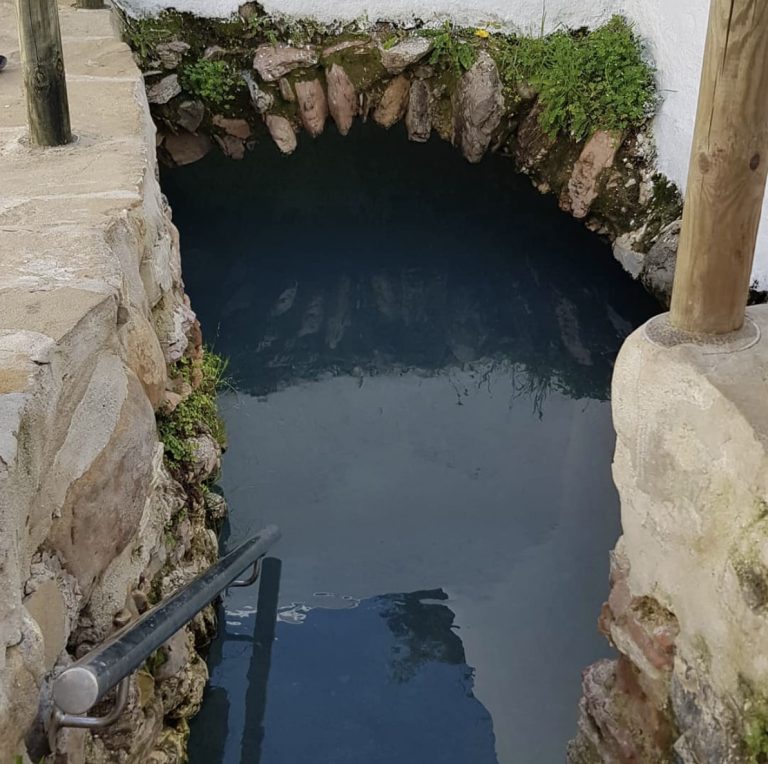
<point x="215" y="82"/>
<point x="197" y="414"/>
<point x="585" y="81"/>
<point x="452" y="48"/>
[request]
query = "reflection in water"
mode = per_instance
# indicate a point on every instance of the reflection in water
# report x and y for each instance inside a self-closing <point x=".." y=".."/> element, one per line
<point x="420" y="352"/>
<point x="384" y="682"/>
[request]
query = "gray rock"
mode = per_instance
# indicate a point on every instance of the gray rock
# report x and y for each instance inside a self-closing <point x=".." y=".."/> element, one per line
<point x="399" y="57"/>
<point x="206" y="458"/>
<point x="282" y="133"/>
<point x="342" y="98"/>
<point x="394" y="102"/>
<point x="480" y="105"/>
<point x="631" y="260"/>
<point x="262" y="100"/>
<point x="163" y="90"/>
<point x="214" y="53"/>
<point x="275" y="61"/>
<point x="418" y="118"/>
<point x="658" y="272"/>
<point x="190" y="114"/>
<point x="171" y="53"/>
<point x="313" y="106"/>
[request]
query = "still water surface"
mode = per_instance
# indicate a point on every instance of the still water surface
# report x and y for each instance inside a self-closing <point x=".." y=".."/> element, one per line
<point x="420" y="355"/>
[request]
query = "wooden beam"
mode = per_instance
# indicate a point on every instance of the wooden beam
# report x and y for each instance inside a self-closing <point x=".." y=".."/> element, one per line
<point x="43" y="68"/>
<point x="727" y="174"/>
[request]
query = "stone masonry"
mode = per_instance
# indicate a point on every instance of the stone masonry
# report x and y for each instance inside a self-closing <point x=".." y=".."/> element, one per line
<point x="92" y="312"/>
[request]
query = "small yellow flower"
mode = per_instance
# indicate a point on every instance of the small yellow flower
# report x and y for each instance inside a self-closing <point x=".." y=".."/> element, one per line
<point x="483" y="33"/>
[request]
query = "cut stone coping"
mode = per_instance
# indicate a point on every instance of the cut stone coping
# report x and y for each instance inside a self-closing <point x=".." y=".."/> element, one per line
<point x="660" y="332"/>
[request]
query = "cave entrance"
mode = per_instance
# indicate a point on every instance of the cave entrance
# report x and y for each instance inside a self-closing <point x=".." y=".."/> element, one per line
<point x="420" y="353"/>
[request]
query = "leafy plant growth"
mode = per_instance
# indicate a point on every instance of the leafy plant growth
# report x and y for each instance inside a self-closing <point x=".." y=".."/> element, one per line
<point x="215" y="82"/>
<point x="197" y="413"/>
<point x="452" y="48"/>
<point x="585" y="81"/>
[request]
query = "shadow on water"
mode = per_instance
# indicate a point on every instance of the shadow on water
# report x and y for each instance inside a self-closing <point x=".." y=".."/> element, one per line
<point x="385" y="307"/>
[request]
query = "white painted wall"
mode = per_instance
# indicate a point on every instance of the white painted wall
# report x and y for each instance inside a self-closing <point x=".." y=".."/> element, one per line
<point x="674" y="31"/>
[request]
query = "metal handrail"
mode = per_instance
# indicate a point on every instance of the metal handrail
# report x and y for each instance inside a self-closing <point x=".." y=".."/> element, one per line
<point x="79" y="687"/>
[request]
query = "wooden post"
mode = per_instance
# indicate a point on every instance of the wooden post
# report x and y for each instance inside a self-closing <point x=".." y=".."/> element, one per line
<point x="43" y="68"/>
<point x="727" y="174"/>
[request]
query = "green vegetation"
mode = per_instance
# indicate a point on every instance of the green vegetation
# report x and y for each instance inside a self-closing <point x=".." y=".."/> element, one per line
<point x="156" y="660"/>
<point x="215" y="82"/>
<point x="452" y="48"/>
<point x="145" y="34"/>
<point x="197" y="413"/>
<point x="585" y="81"/>
<point x="756" y="740"/>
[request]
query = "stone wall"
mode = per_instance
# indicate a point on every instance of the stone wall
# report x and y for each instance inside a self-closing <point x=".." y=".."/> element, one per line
<point x="92" y="318"/>
<point x="688" y="609"/>
<point x="281" y="80"/>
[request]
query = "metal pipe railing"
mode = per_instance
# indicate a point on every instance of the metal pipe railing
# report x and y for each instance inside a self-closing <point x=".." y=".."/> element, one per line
<point x="79" y="687"/>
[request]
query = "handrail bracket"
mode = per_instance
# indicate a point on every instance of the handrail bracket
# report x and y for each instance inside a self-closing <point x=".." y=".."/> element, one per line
<point x="59" y="719"/>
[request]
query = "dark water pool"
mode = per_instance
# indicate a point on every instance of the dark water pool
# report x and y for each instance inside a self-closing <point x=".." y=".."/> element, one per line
<point x="420" y="353"/>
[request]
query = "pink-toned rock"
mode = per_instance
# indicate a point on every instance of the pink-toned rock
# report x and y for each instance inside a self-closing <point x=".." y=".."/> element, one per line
<point x="238" y="128"/>
<point x="342" y="98"/>
<point x="617" y="724"/>
<point x="337" y="47"/>
<point x="313" y="106"/>
<point x="418" y="118"/>
<point x="598" y="155"/>
<point x="394" y="102"/>
<point x="185" y="148"/>
<point x="234" y="148"/>
<point x="275" y="61"/>
<point x="282" y="133"/>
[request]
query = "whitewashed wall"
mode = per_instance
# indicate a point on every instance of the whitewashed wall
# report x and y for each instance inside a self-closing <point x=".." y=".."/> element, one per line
<point x="673" y="30"/>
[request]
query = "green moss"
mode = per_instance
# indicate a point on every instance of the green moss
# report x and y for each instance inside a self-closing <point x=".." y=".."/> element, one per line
<point x="197" y="413"/>
<point x="363" y="69"/>
<point x="156" y="660"/>
<point x="585" y="81"/>
<point x="756" y="737"/>
<point x="665" y="207"/>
